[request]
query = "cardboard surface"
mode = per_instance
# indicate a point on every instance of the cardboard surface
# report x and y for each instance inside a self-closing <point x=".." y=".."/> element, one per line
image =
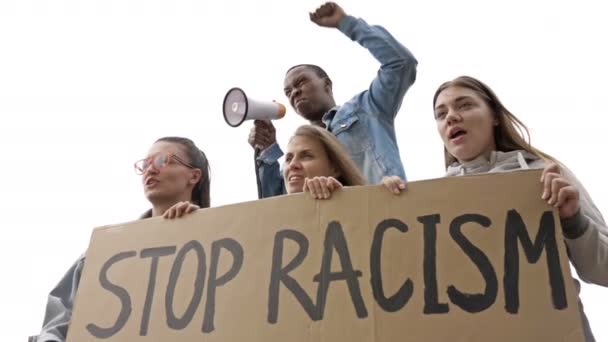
<point x="448" y="260"/>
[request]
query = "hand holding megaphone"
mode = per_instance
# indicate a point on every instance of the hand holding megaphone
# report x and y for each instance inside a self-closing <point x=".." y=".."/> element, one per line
<point x="262" y="135"/>
<point x="237" y="108"/>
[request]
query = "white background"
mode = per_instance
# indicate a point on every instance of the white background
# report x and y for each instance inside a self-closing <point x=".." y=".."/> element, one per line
<point x="87" y="86"/>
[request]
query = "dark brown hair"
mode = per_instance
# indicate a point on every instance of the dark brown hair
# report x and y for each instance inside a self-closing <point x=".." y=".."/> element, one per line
<point x="201" y="194"/>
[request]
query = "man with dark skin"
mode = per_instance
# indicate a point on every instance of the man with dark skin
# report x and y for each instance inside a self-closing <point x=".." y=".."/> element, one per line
<point x="364" y="124"/>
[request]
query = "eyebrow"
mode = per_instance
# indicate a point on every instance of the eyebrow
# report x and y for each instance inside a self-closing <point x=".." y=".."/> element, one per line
<point x="296" y="80"/>
<point x="458" y="99"/>
<point x="299" y="152"/>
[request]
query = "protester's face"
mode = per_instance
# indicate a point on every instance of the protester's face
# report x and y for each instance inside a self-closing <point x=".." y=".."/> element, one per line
<point x="308" y="94"/>
<point x="465" y="122"/>
<point x="305" y="158"/>
<point x="172" y="181"/>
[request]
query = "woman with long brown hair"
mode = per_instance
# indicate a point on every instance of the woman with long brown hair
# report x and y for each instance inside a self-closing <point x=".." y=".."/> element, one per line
<point x="481" y="136"/>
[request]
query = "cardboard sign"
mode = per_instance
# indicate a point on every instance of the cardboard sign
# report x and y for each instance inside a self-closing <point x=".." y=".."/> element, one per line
<point x="477" y="258"/>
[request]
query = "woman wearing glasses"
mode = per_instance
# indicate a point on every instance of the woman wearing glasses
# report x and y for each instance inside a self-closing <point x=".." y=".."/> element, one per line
<point x="175" y="178"/>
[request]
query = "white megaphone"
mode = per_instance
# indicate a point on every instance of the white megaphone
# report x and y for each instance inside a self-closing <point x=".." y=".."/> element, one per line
<point x="238" y="108"/>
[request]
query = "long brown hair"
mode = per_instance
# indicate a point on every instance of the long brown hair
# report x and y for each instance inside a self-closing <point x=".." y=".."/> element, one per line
<point x="509" y="135"/>
<point x="337" y="155"/>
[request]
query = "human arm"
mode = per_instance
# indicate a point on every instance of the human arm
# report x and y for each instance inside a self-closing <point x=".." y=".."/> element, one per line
<point x="60" y="304"/>
<point x="584" y="228"/>
<point x="398" y="65"/>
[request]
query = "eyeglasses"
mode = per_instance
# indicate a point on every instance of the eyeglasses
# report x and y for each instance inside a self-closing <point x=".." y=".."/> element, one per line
<point x="159" y="161"/>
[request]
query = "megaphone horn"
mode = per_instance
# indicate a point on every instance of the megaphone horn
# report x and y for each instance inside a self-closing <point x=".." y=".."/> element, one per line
<point x="238" y="108"/>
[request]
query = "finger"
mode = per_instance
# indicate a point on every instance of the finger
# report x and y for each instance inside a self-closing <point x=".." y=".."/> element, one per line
<point x="183" y="208"/>
<point x="271" y="129"/>
<point x="318" y="12"/>
<point x="325" y="191"/>
<point x="396" y="185"/>
<point x="305" y="188"/>
<point x="393" y="184"/>
<point x="547" y="179"/>
<point x="567" y="193"/>
<point x="262" y="135"/>
<point x="388" y="184"/>
<point x="334" y="184"/>
<point x="191" y="208"/>
<point x="550" y="168"/>
<point x="170" y="213"/>
<point x="327" y="8"/>
<point x="314" y="188"/>
<point x="176" y="210"/>
<point x="260" y="140"/>
<point x="556" y="185"/>
<point x="318" y="190"/>
<point x="401" y="183"/>
<point x="253" y="140"/>
<point x="262" y="129"/>
<point x="262" y="124"/>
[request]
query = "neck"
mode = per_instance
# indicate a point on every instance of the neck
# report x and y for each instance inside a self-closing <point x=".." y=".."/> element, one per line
<point x="317" y="123"/>
<point x="318" y="117"/>
<point x="486" y="155"/>
<point x="161" y="207"/>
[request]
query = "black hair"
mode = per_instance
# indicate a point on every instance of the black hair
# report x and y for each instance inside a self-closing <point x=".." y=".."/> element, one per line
<point x="315" y="68"/>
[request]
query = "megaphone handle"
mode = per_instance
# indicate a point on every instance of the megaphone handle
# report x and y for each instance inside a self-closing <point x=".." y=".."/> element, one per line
<point x="256" y="154"/>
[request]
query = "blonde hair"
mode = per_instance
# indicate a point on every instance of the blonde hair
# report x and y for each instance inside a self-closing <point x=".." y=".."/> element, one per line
<point x="337" y="155"/>
<point x="509" y="135"/>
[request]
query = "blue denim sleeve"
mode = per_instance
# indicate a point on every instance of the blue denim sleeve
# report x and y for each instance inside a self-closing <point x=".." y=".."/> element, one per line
<point x="269" y="172"/>
<point x="397" y="71"/>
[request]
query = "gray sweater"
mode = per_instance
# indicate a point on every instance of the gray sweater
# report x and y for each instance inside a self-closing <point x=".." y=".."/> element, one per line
<point x="586" y="234"/>
<point x="61" y="302"/>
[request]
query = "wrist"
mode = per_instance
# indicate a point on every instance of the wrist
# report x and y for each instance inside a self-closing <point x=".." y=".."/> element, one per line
<point x="575" y="226"/>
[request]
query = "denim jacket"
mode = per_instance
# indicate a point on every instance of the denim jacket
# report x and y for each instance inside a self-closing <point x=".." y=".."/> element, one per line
<point x="365" y="125"/>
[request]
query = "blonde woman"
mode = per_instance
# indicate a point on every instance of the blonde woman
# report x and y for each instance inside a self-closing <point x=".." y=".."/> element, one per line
<point x="317" y="163"/>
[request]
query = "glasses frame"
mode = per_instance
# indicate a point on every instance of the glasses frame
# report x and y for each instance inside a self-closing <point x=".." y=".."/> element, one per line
<point x="170" y="157"/>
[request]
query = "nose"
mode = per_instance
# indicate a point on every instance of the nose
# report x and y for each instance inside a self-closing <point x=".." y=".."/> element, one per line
<point x="453" y="117"/>
<point x="293" y="165"/>
<point x="150" y="170"/>
<point x="295" y="92"/>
